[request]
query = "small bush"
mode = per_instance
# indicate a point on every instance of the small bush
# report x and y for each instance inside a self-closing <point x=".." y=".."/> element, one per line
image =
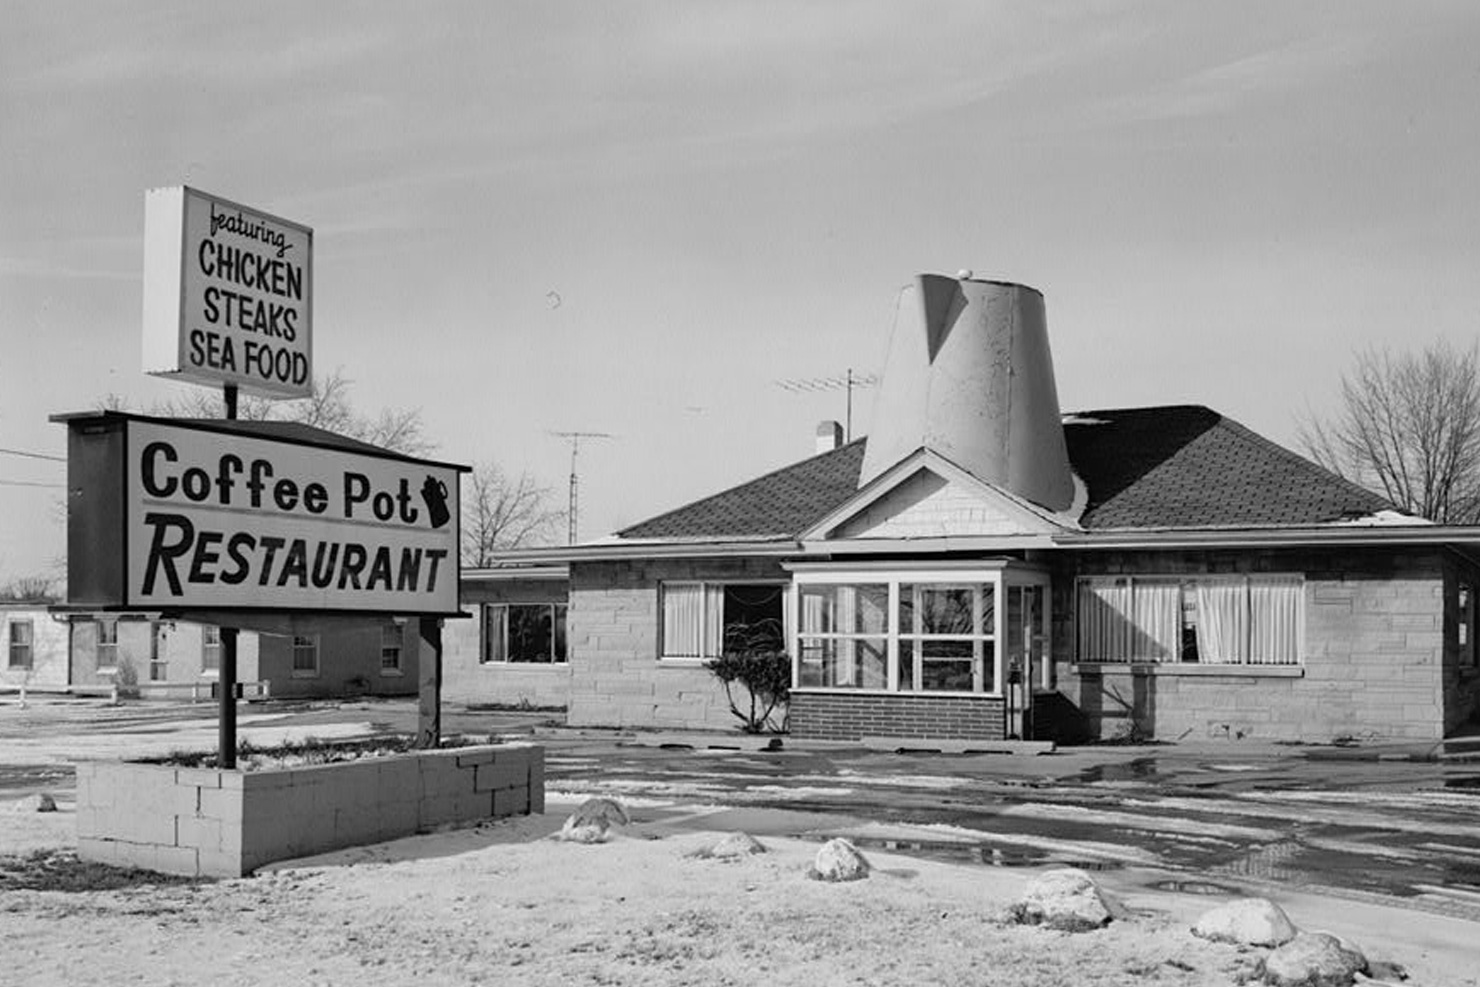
<point x="766" y="676"/>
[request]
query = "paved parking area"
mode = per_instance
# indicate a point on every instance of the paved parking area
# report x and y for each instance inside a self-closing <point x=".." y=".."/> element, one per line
<point x="1384" y="821"/>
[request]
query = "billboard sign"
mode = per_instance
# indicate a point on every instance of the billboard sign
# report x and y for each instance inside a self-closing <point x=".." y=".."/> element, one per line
<point x="228" y="294"/>
<point x="216" y="519"/>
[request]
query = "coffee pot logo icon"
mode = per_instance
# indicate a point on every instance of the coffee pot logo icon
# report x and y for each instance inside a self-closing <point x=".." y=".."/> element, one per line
<point x="434" y="493"/>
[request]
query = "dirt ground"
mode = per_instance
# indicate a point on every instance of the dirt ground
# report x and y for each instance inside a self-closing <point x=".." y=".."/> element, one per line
<point x="504" y="903"/>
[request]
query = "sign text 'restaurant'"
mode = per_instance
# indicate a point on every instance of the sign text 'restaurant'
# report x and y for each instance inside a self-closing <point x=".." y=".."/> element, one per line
<point x="218" y="520"/>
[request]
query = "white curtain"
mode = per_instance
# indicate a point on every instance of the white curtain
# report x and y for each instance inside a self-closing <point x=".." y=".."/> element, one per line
<point x="1104" y="620"/>
<point x="1274" y="610"/>
<point x="1157" y="622"/>
<point x="693" y="620"/>
<point x="1222" y="622"/>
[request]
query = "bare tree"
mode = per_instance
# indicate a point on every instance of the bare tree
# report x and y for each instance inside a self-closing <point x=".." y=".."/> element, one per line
<point x="1409" y="428"/>
<point x="29" y="589"/>
<point x="328" y="407"/>
<point x="502" y="513"/>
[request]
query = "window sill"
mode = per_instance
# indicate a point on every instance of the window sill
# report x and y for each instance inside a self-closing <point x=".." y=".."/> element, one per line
<point x="819" y="690"/>
<point x="108" y="670"/>
<point x="392" y="673"/>
<point x="547" y="666"/>
<point x="1190" y="669"/>
<point x="210" y="673"/>
<point x="682" y="662"/>
<point x="304" y="675"/>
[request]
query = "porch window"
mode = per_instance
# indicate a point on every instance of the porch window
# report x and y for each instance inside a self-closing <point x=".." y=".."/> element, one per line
<point x="107" y="631"/>
<point x="305" y="655"/>
<point x="524" y="633"/>
<point x="706" y="619"/>
<point x="1212" y="620"/>
<point x="922" y="629"/>
<point x="22" y="643"/>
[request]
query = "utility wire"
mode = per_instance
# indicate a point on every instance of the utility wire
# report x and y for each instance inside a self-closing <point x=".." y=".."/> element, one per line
<point x="28" y="483"/>
<point x="33" y="455"/>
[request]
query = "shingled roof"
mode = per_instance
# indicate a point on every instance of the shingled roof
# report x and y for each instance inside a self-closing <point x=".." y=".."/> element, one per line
<point x="1181" y="466"/>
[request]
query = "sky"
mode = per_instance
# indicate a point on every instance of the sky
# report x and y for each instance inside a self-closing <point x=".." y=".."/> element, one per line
<point x="640" y="218"/>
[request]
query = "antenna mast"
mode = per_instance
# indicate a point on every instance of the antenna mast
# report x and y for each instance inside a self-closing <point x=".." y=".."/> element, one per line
<point x="575" y="448"/>
<point x="847" y="382"/>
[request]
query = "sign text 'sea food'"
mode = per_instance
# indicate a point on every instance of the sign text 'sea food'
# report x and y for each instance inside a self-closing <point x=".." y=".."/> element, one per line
<point x="233" y="521"/>
<point x="228" y="294"/>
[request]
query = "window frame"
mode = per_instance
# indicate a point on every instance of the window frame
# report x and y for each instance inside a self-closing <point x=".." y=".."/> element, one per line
<point x="26" y="647"/>
<point x="207" y="645"/>
<point x="1186" y="583"/>
<point x="559" y="632"/>
<point x="781" y="586"/>
<point x="105" y="628"/>
<point x="159" y="666"/>
<point x="304" y="643"/>
<point x="1464" y="630"/>
<point x="397" y="631"/>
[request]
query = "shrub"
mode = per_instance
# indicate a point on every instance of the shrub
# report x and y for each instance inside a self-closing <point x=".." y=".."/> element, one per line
<point x="766" y="676"/>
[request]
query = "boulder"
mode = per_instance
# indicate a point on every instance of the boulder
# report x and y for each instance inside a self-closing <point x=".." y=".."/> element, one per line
<point x="1067" y="899"/>
<point x="40" y="802"/>
<point x="734" y="846"/>
<point x="592" y="821"/>
<point x="839" y="860"/>
<point x="1248" y="922"/>
<point x="1314" y="959"/>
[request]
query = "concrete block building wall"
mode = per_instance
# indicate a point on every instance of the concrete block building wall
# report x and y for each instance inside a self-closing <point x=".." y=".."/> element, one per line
<point x="44" y="664"/>
<point x="618" y="677"/>
<point x="467" y="678"/>
<point x="1372" y="664"/>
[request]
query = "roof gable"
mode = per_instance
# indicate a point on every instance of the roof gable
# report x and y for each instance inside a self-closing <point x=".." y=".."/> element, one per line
<point x="927" y="496"/>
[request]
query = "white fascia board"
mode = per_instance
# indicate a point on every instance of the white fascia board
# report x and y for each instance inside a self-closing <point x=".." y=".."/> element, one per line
<point x="1336" y="535"/>
<point x="645" y="549"/>
<point x="927" y="546"/>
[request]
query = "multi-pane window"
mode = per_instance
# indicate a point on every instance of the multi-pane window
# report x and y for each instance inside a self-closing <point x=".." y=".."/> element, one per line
<point x="306" y="655"/>
<point x="210" y="648"/>
<point x="922" y="631"/>
<point x="22" y="642"/>
<point x="1469" y="655"/>
<point x="107" y="631"/>
<point x="390" y="649"/>
<point x="945" y="637"/>
<point x="708" y="619"/>
<point x="1212" y="620"/>
<point x="158" y="666"/>
<point x="524" y="632"/>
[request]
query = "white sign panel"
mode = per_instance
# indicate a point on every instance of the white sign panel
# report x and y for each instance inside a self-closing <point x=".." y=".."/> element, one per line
<point x="225" y="521"/>
<point x="228" y="294"/>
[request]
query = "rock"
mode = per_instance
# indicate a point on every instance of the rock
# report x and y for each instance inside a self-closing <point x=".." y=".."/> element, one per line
<point x="1246" y="921"/>
<point x="592" y="820"/>
<point x="1314" y="959"/>
<point x="1067" y="899"/>
<point x="839" y="860"/>
<point x="734" y="846"/>
<point x="40" y="802"/>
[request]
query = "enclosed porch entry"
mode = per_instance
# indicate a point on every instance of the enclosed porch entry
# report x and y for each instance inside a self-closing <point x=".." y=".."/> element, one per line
<point x="918" y="651"/>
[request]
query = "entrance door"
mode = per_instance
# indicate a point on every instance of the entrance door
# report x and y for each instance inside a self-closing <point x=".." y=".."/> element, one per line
<point x="1027" y="655"/>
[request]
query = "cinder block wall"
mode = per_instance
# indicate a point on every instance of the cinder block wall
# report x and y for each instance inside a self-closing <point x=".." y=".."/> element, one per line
<point x="617" y="678"/>
<point x="1373" y="655"/>
<point x="206" y="822"/>
<point x="467" y="679"/>
<point x="832" y="716"/>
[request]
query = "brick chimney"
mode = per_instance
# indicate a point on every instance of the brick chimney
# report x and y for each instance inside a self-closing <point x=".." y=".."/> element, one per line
<point x="829" y="436"/>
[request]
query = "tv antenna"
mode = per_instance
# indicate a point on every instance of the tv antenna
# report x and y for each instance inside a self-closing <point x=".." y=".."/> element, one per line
<point x="575" y="448"/>
<point x="847" y="381"/>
